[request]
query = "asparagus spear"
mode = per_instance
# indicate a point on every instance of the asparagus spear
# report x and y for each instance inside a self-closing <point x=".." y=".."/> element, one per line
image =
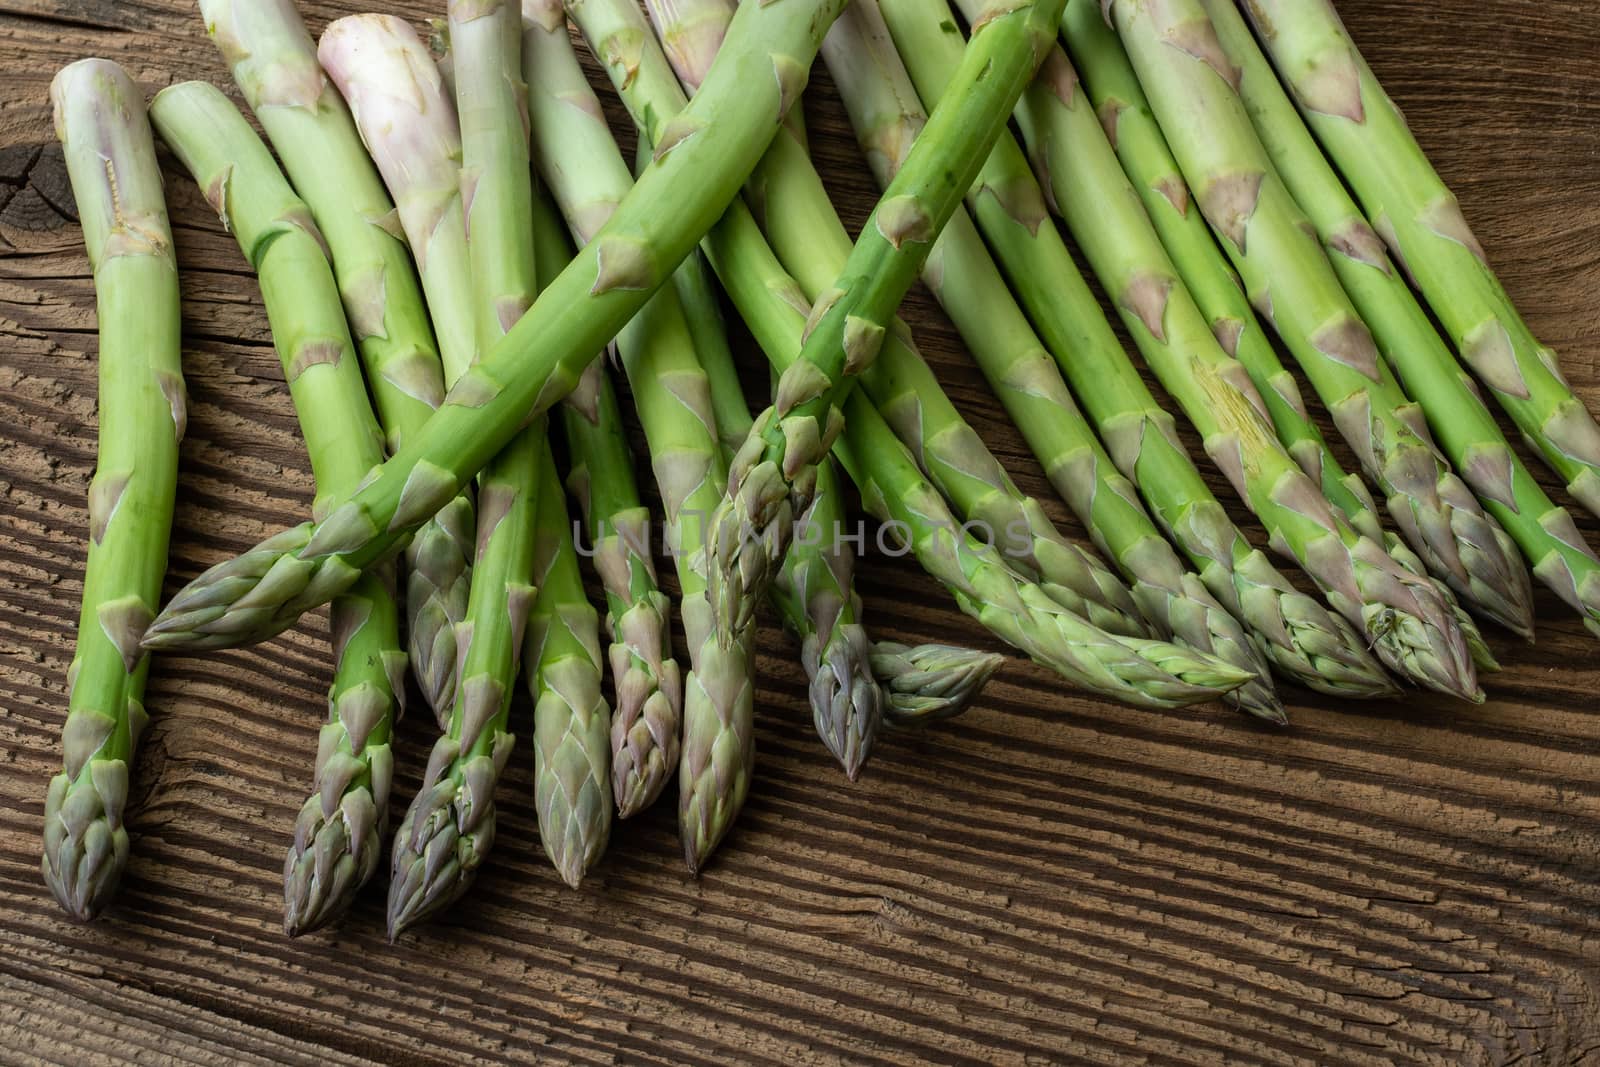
<point x="817" y="579"/>
<point x="100" y="120"/>
<point x="571" y="723"/>
<point x="405" y="120"/>
<point x="1421" y="221"/>
<point x="699" y="166"/>
<point x="1460" y="422"/>
<point x="336" y="844"/>
<point x="1265" y="234"/>
<point x="275" y="65"/>
<point x="919" y="684"/>
<point x="1114" y="91"/>
<point x="450" y="825"/>
<point x="588" y="177"/>
<point x="1315" y="648"/>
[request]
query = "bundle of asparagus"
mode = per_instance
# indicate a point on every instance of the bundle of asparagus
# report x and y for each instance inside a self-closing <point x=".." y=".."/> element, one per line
<point x="423" y="245"/>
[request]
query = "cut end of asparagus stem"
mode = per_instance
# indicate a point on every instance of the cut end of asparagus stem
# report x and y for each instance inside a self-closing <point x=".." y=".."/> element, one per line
<point x="925" y="684"/>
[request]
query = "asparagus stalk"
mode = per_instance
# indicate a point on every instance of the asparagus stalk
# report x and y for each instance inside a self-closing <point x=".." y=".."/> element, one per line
<point x="1114" y="91"/>
<point x="453" y="815"/>
<point x="1460" y="422"/>
<point x="336" y="843"/>
<point x="699" y="167"/>
<point x="1314" y="648"/>
<point x="100" y="120"/>
<point x="1264" y="232"/>
<point x="588" y="177"/>
<point x="816" y="584"/>
<point x="649" y="690"/>
<point x="1364" y="133"/>
<point x="1149" y="673"/>
<point x="408" y="123"/>
<point x="571" y="723"/>
<point x="275" y="65"/>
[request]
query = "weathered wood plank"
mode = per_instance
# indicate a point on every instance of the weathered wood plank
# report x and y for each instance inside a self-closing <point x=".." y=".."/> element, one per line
<point x="1049" y="879"/>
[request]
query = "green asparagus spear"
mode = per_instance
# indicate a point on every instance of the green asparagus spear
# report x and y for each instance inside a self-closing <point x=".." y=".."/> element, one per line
<point x="1460" y="422"/>
<point x="450" y="826"/>
<point x="275" y="65"/>
<point x="453" y="815"/>
<point x="586" y="173"/>
<point x="100" y="119"/>
<point x="649" y="691"/>
<point x="1114" y="91"/>
<point x="571" y="723"/>
<point x="337" y="834"/>
<point x="1421" y="221"/>
<point x="1192" y="89"/>
<point x="700" y="164"/>
<point x="1314" y="647"/>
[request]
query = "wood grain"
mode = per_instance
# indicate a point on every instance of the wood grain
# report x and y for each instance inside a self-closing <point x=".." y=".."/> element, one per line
<point x="1049" y="879"/>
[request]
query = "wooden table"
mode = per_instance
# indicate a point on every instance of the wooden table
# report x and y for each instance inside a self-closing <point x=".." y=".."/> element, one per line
<point x="1049" y="879"/>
